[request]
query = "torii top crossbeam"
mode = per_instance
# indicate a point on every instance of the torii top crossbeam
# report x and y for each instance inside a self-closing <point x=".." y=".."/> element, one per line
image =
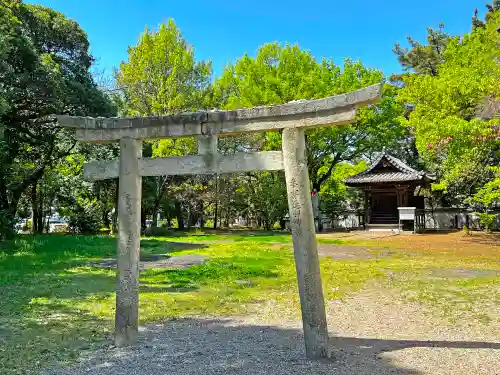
<point x="334" y="110"/>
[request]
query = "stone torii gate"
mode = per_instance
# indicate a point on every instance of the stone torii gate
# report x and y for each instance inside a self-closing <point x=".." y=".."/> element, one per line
<point x="292" y="118"/>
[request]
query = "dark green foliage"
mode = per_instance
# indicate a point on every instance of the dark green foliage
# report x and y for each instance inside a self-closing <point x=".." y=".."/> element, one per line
<point x="84" y="220"/>
<point x="282" y="73"/>
<point x="44" y="71"/>
<point x="423" y="58"/>
<point x="7" y="223"/>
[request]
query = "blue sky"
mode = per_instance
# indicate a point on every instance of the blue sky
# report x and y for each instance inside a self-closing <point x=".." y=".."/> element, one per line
<point x="222" y="30"/>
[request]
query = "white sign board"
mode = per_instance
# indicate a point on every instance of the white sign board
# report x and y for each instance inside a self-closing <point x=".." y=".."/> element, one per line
<point x="407" y="213"/>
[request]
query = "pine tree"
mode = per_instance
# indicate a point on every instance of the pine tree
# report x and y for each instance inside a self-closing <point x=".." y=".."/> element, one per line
<point x="477" y="22"/>
<point x="423" y="58"/>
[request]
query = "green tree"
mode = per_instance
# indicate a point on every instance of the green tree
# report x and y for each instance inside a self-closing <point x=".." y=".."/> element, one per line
<point x="279" y="74"/>
<point x="492" y="8"/>
<point x="336" y="196"/>
<point x="454" y="135"/>
<point x="423" y="58"/>
<point x="488" y="196"/>
<point x="45" y="71"/>
<point x="162" y="77"/>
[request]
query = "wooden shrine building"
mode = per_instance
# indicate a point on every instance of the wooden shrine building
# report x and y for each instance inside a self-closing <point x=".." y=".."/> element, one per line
<point x="388" y="185"/>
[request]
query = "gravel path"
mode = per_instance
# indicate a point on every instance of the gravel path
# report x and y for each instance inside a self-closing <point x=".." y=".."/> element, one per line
<point x="371" y="333"/>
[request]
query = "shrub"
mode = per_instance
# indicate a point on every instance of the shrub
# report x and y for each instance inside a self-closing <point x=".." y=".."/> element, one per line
<point x="486" y="220"/>
<point x="27" y="227"/>
<point x="84" y="220"/>
<point x="7" y="226"/>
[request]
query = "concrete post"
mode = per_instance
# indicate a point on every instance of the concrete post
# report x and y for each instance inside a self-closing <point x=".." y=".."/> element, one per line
<point x="129" y="217"/>
<point x="304" y="244"/>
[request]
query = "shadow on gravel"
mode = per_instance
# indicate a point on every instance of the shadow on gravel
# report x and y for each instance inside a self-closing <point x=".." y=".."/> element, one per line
<point x="209" y="347"/>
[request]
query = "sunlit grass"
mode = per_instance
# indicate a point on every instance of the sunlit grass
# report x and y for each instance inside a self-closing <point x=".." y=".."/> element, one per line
<point x="54" y="303"/>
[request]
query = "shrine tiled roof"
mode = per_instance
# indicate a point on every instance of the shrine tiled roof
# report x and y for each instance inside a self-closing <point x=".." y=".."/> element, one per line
<point x="388" y="168"/>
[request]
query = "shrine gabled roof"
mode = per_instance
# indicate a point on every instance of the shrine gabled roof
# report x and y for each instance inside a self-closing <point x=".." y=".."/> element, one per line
<point x="400" y="172"/>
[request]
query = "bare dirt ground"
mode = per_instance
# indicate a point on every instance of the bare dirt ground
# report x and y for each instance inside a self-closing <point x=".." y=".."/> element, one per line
<point x="372" y="333"/>
<point x="340" y="252"/>
<point x="477" y="243"/>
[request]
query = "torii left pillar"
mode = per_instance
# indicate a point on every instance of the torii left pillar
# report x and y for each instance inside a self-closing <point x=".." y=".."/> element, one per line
<point x="129" y="242"/>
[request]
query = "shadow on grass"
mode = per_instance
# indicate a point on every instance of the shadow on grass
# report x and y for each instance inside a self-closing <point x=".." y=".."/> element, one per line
<point x="43" y="322"/>
<point x="53" y="303"/>
<point x="175" y="288"/>
<point x="193" y="346"/>
<point x="53" y="251"/>
<point x="213" y="232"/>
<point x="161" y="246"/>
<point x="208" y="235"/>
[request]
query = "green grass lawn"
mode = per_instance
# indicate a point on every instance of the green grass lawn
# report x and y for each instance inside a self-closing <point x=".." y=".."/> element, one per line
<point x="53" y="303"/>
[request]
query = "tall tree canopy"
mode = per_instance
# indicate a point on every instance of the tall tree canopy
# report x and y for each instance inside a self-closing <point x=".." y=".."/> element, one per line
<point x="44" y="71"/>
<point x="492" y="8"/>
<point x="279" y="74"/>
<point x="160" y="77"/>
<point x="423" y="58"/>
<point x="454" y="133"/>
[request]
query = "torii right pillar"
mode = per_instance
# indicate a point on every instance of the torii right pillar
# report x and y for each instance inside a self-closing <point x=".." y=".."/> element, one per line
<point x="304" y="243"/>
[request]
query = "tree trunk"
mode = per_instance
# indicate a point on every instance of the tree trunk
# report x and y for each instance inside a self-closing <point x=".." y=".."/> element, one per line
<point x="40" y="215"/>
<point x="216" y="200"/>
<point x="160" y="192"/>
<point x="215" y="213"/>
<point x="178" y="214"/>
<point x="115" y="213"/>
<point x="282" y="224"/>
<point x="105" y="217"/>
<point x="47" y="224"/>
<point x="4" y="202"/>
<point x="8" y="211"/>
<point x="34" y="209"/>
<point x="155" y="215"/>
<point x="199" y="215"/>
<point x="37" y="208"/>
<point x="267" y="224"/>
<point x="143" y="220"/>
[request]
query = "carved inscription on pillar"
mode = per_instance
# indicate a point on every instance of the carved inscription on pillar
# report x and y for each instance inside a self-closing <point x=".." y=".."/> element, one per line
<point x="129" y="208"/>
<point x="304" y="243"/>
